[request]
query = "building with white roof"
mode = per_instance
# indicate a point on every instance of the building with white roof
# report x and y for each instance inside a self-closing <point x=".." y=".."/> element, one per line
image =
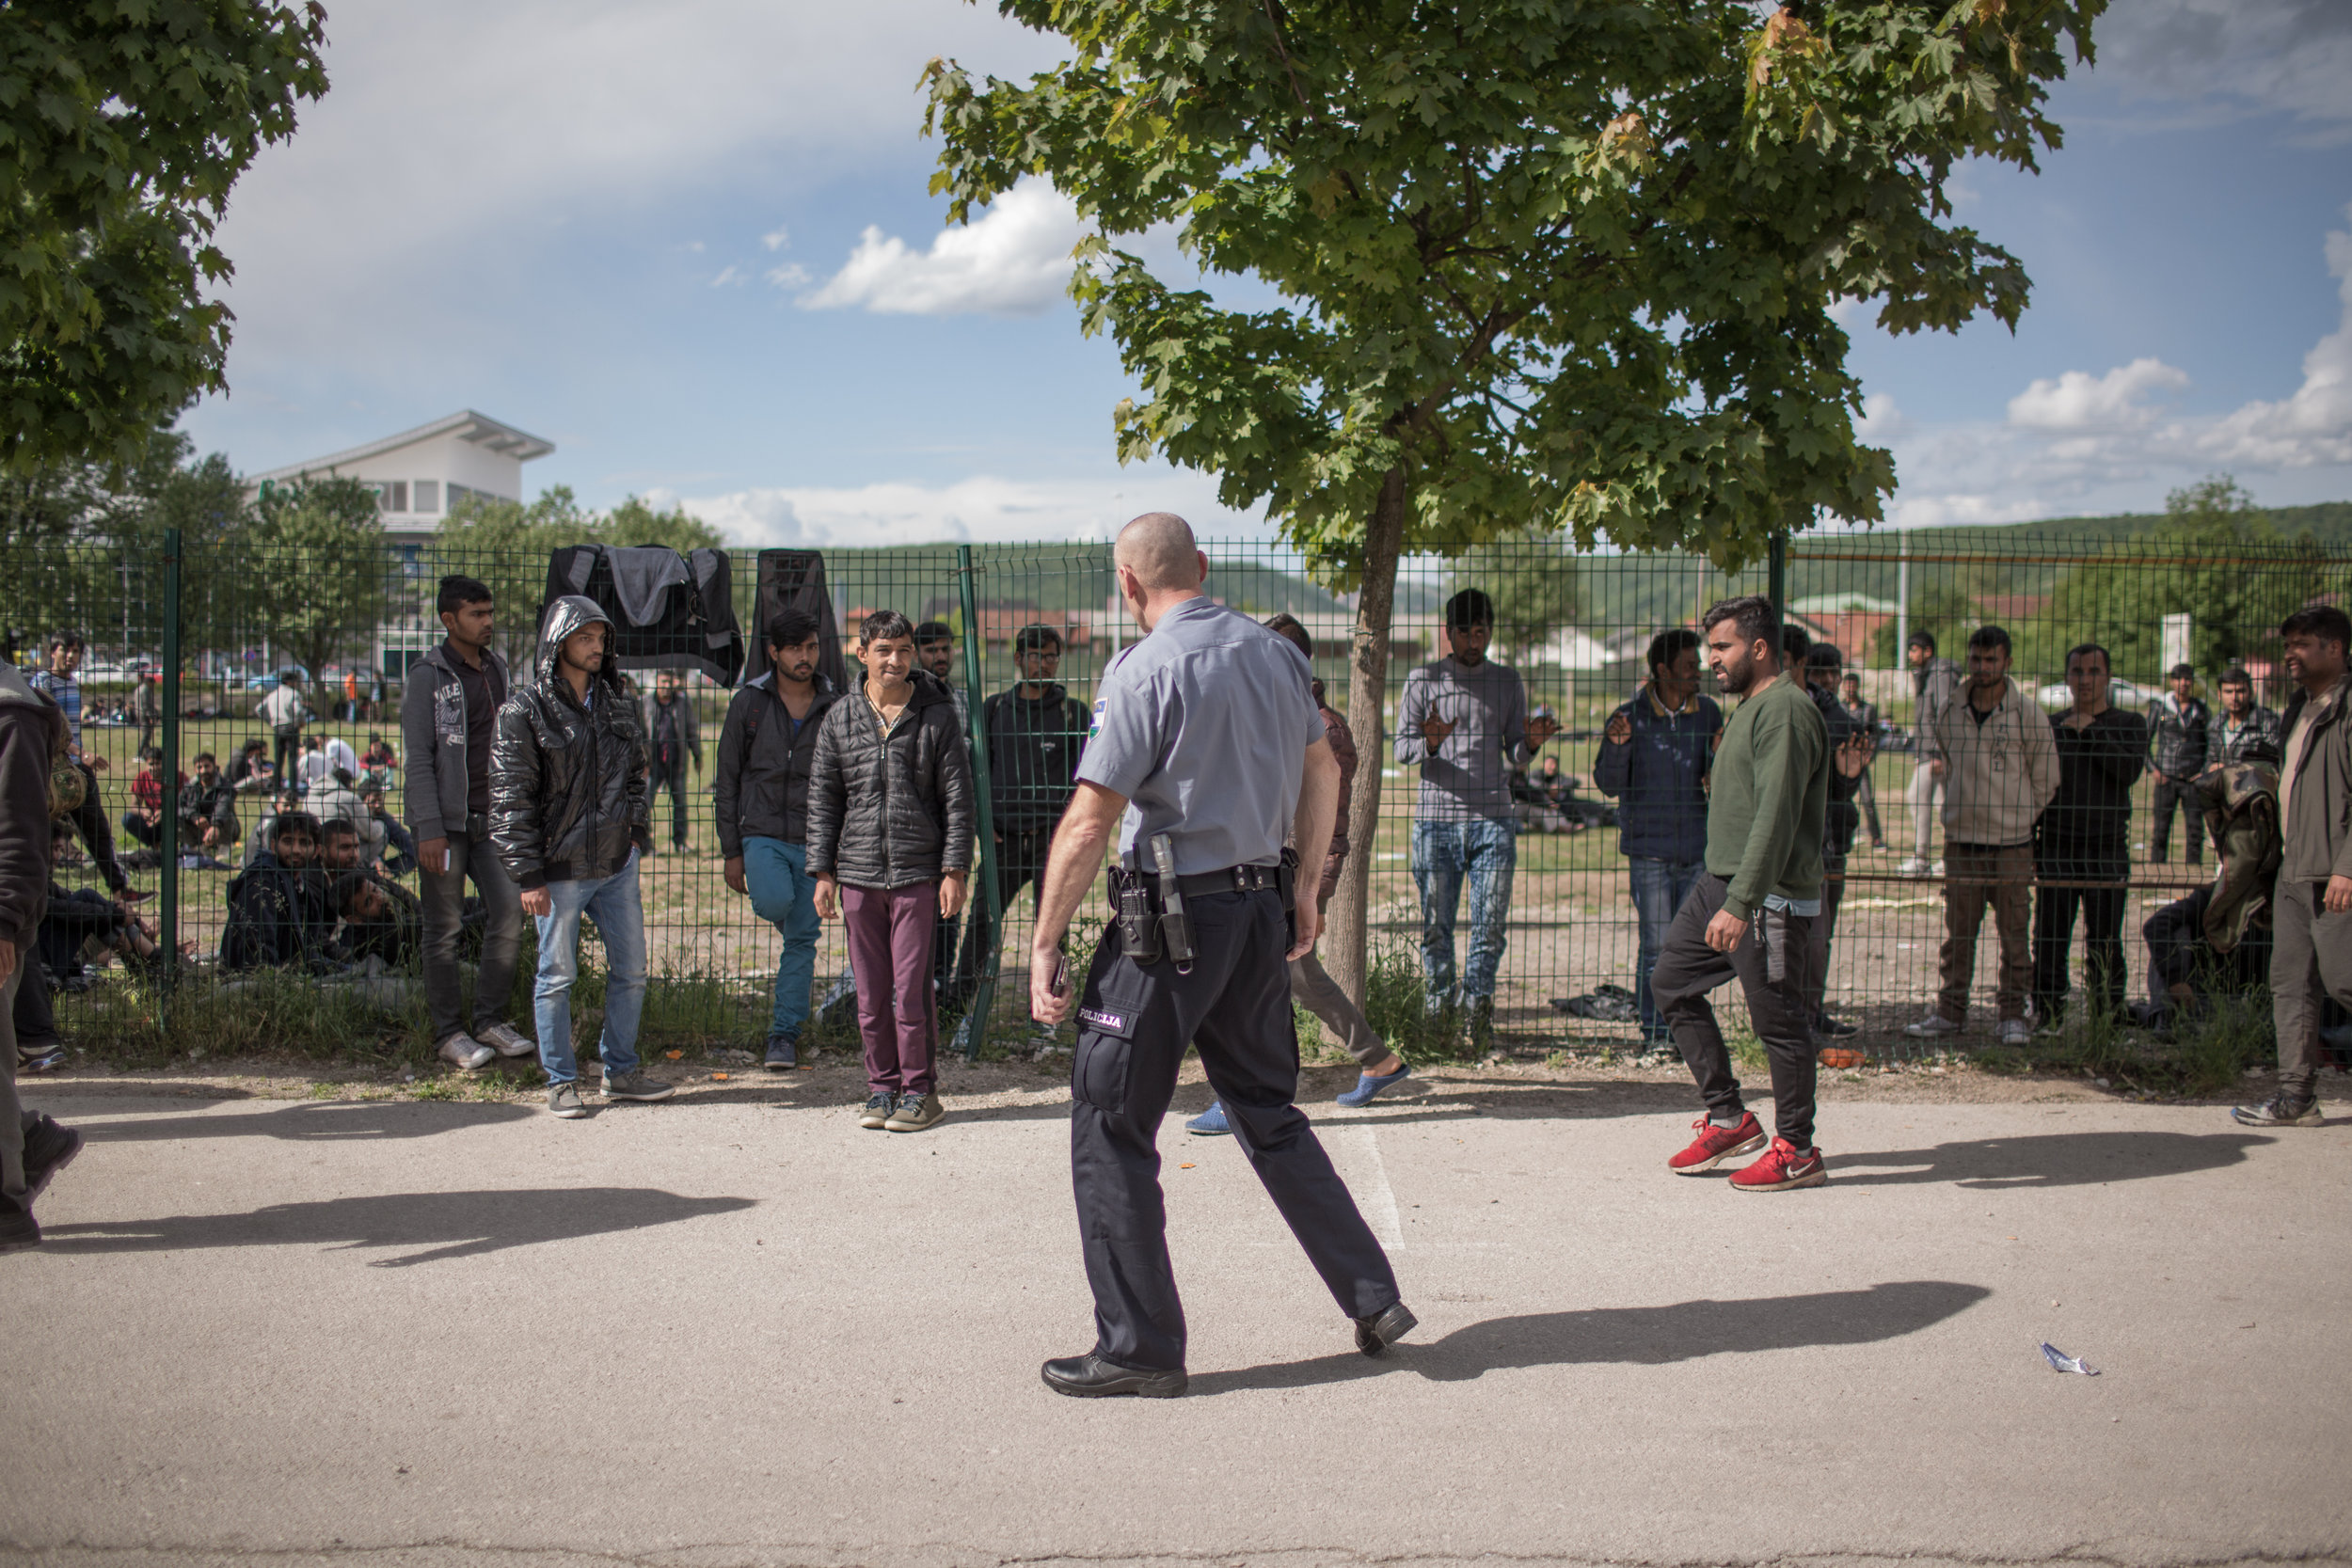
<point x="419" y="474"/>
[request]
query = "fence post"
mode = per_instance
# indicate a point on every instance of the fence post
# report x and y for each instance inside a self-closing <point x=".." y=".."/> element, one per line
<point x="981" y="904"/>
<point x="1777" y="578"/>
<point x="170" y="781"/>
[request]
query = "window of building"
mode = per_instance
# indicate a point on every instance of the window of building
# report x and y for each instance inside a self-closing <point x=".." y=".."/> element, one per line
<point x="398" y="492"/>
<point x="428" y="495"/>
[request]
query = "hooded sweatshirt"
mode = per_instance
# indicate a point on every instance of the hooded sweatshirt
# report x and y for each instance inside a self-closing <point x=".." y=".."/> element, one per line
<point x="568" y="799"/>
<point x="32" y="736"/>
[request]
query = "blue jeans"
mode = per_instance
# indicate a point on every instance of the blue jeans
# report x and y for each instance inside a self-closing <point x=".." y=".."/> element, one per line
<point x="784" y="893"/>
<point x="1445" y="853"/>
<point x="614" y="904"/>
<point x="1660" y="887"/>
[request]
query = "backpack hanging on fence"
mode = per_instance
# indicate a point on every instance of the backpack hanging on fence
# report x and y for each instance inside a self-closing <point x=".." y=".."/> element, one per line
<point x="671" y="612"/>
<point x="795" y="580"/>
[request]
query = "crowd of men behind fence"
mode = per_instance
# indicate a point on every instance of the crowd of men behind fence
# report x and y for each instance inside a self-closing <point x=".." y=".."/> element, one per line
<point x="534" y="793"/>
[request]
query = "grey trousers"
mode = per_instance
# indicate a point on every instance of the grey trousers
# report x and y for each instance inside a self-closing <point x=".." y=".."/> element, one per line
<point x="443" y="902"/>
<point x="2311" y="955"/>
<point x="1316" y="991"/>
<point x="12" y="1116"/>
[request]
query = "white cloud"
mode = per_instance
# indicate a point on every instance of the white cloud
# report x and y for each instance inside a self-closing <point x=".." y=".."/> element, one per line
<point x="2315" y="424"/>
<point x="1013" y="259"/>
<point x="2079" y="401"/>
<point x="780" y="238"/>
<point x="2230" y="57"/>
<point x="982" y="508"/>
<point x="789" y="275"/>
<point x="728" y="275"/>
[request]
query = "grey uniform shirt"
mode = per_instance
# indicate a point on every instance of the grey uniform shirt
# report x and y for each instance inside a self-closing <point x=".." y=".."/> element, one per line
<point x="1467" y="775"/>
<point x="1205" y="726"/>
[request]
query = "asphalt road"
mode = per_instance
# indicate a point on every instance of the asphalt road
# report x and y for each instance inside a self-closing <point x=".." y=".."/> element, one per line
<point x="406" y="1333"/>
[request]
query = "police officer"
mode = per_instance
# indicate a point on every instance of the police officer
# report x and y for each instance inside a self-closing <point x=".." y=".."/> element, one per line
<point x="1206" y="749"/>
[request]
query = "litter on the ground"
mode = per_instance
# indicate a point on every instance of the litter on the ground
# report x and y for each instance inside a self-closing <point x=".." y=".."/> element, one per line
<point x="2062" y="1362"/>
<point x="1607" y="1004"/>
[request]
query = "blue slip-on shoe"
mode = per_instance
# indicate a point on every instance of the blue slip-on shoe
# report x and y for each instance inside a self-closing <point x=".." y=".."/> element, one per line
<point x="1209" y="1123"/>
<point x="1368" y="1085"/>
<point x="783" y="1054"/>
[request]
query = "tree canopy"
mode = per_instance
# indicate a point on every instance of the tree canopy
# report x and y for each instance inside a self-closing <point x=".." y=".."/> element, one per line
<point x="123" y="124"/>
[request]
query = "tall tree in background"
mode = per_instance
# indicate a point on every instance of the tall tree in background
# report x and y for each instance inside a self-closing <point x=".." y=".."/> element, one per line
<point x="316" y="572"/>
<point x="1550" y="262"/>
<point x="123" y="123"/>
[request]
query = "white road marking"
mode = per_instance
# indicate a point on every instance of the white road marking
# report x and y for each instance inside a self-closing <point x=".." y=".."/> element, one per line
<point x="1374" y="1194"/>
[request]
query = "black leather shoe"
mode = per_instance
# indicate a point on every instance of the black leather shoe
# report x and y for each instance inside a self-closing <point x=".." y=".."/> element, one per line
<point x="1376" y="1333"/>
<point x="48" y="1150"/>
<point x="17" y="1230"/>
<point x="1091" y="1377"/>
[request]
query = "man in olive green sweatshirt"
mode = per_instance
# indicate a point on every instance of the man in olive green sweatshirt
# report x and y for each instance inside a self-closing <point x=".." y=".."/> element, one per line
<point x="1750" y="916"/>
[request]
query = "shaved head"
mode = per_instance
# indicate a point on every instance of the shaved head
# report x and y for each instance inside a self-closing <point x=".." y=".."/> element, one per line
<point x="1158" y="548"/>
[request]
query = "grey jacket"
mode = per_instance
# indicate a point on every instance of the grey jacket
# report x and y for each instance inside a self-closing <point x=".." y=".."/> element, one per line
<point x="2318" y="794"/>
<point x="433" y="743"/>
<point x="690" y="729"/>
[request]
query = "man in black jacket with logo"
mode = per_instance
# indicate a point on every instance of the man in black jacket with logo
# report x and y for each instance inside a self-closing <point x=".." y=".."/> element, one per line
<point x="2084" y="837"/>
<point x="766" y="750"/>
<point x="571" y="816"/>
<point x="1035" y="731"/>
<point x="2178" y="723"/>
<point x="890" y="814"/>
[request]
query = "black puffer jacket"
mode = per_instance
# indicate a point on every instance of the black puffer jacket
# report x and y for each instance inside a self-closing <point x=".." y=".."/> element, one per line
<point x="889" y="814"/>
<point x="567" y="783"/>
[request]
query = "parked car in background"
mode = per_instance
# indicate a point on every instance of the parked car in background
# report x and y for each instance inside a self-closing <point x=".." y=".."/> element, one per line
<point x="262" y="683"/>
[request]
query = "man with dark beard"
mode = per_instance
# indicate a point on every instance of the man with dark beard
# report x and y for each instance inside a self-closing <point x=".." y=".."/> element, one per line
<point x="1750" y="916"/>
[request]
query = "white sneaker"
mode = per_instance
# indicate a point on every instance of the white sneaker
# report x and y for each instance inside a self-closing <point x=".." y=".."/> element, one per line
<point x="502" y="1038"/>
<point x="1912" y="866"/>
<point x="1933" y="1027"/>
<point x="2015" y="1030"/>
<point x="462" y="1050"/>
<point x="1939" y="869"/>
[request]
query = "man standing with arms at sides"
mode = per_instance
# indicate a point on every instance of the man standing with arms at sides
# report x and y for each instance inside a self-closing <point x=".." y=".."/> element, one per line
<point x="2310" y="923"/>
<point x="2177" y="724"/>
<point x="1818" y="663"/>
<point x="2085" y="836"/>
<point x="1207" y="750"/>
<point x="766" y="751"/>
<point x="1935" y="681"/>
<point x="2243" y="731"/>
<point x="1035" y="731"/>
<point x="571" y="818"/>
<point x="283" y="711"/>
<point x="1311" y="987"/>
<point x="1750" y="916"/>
<point x="935" y="652"/>
<point x="673" y="736"/>
<point x="1866" y="718"/>
<point x="1654" y="756"/>
<point x="1994" y="749"/>
<point x="1463" y="721"/>
<point x="448" y="713"/>
<point x="33" y="1148"/>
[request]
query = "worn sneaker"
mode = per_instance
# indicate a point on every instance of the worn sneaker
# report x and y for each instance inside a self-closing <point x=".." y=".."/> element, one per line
<point x="1210" y="1123"/>
<point x="1714" y="1145"/>
<point x="564" y="1101"/>
<point x="507" y="1040"/>
<point x="914" y="1113"/>
<point x="464" y="1051"/>
<point x="48" y="1150"/>
<point x="2287" y="1108"/>
<point x="41" y="1059"/>
<point x="784" y="1054"/>
<point x="876" y="1116"/>
<point x="1827" y="1027"/>
<point x="1933" y="1027"/>
<point x="636" y="1085"/>
<point x="17" y="1228"/>
<point x="1784" y="1168"/>
<point x="1912" y="866"/>
<point x="2015" y="1030"/>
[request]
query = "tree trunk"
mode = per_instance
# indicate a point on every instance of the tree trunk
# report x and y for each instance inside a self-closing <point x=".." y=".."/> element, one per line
<point x="1343" y="949"/>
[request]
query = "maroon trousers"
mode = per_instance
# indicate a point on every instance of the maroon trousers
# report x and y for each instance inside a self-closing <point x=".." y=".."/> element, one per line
<point x="890" y="956"/>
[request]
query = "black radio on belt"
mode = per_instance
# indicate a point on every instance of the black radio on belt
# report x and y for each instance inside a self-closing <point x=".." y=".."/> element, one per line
<point x="1153" y="921"/>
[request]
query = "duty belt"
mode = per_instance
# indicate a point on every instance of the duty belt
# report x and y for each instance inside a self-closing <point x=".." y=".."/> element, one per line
<point x="1151" y="918"/>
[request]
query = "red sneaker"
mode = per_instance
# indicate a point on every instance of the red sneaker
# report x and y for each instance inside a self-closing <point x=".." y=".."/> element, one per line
<point x="1717" y="1143"/>
<point x="1781" y="1170"/>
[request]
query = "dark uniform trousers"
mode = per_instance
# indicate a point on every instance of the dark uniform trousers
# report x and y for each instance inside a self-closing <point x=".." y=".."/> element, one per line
<point x="1134" y="1024"/>
<point x="1779" y="1008"/>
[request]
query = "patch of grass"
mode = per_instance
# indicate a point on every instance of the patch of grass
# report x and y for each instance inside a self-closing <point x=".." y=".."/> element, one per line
<point x="1747" y="1052"/>
<point x="1395" y="1006"/>
<point x="2202" y="1057"/>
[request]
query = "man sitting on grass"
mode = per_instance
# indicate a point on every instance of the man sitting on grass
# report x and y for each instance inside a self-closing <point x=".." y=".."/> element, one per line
<point x="277" y="914"/>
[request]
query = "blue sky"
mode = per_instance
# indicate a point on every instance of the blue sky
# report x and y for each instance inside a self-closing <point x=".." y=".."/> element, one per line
<point x="691" y="245"/>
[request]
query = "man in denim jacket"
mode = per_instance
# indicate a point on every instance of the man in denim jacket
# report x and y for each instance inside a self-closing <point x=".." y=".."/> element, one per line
<point x="1654" y="756"/>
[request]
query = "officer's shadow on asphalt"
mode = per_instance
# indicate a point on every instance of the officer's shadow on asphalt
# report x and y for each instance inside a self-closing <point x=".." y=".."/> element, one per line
<point x="423" y="1228"/>
<point x="327" y="1121"/>
<point x="1634" y="1336"/>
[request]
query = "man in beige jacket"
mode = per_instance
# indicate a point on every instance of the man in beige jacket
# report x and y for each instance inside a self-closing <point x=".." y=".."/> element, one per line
<point x="2000" y="765"/>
